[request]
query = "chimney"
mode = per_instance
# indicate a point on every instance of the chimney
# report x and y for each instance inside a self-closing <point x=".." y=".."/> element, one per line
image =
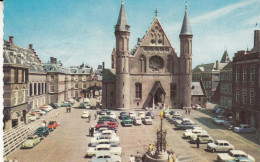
<point x="55" y="60"/>
<point x="217" y="65"/>
<point x="103" y="65"/>
<point x="11" y="40"/>
<point x="51" y="60"/>
<point x="257" y="38"/>
<point x="31" y="46"/>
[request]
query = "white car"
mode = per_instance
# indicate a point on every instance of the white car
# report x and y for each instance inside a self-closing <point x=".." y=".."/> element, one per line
<point x="111" y="138"/>
<point x="183" y="120"/>
<point x="193" y="133"/>
<point x="141" y="114"/>
<point x="232" y="154"/>
<point x="104" y="147"/>
<point x="176" y="115"/>
<point x="105" y="132"/>
<point x="32" y="117"/>
<point x="132" y="114"/>
<point x="148" y="120"/>
<point x="107" y="156"/>
<point x="137" y="121"/>
<point x="40" y="112"/>
<point x="85" y="114"/>
<point x="194" y="128"/>
<point x="220" y="145"/>
<point x="112" y="115"/>
<point x="46" y="108"/>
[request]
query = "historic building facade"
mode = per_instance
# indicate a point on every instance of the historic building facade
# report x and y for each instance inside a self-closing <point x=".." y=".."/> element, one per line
<point x="210" y="76"/>
<point x="15" y="68"/>
<point x="151" y="74"/>
<point x="246" y="87"/>
<point x="198" y="96"/>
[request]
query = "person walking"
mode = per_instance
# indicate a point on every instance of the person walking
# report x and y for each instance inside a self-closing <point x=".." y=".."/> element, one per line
<point x="150" y="149"/>
<point x="188" y="110"/>
<point x="92" y="130"/>
<point x="198" y="142"/>
<point x="89" y="118"/>
<point x="89" y="131"/>
<point x="95" y="116"/>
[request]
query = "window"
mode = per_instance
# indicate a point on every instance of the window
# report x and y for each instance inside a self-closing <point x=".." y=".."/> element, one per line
<point x="173" y="91"/>
<point x="35" y="88"/>
<point x="76" y="86"/>
<point x="252" y="74"/>
<point x="76" y="78"/>
<point x="237" y="96"/>
<point x="31" y="89"/>
<point x="138" y="90"/>
<point x="84" y="77"/>
<point x="186" y="46"/>
<point x="244" y="75"/>
<point x="43" y="88"/>
<point x="252" y="97"/>
<point x="226" y="102"/>
<point x="83" y="85"/>
<point x="39" y="88"/>
<point x="237" y="75"/>
<point x="244" y="97"/>
<point x="52" y="88"/>
<point x="230" y="89"/>
<point x="16" y="75"/>
<point x="16" y="97"/>
<point x="52" y="77"/>
<point x="24" y="95"/>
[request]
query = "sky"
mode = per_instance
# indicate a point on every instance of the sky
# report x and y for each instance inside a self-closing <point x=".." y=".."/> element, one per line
<point x="76" y="31"/>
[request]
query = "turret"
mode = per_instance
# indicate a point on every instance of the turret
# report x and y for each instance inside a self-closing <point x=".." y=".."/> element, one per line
<point x="185" y="61"/>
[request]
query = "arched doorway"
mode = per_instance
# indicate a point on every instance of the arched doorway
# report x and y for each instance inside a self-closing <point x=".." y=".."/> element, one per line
<point x="242" y="117"/>
<point x="157" y="95"/>
<point x="93" y="92"/>
<point x="15" y="118"/>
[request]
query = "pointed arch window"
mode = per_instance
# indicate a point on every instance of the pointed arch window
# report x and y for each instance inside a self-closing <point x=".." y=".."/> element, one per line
<point x="142" y="64"/>
<point x="186" y="46"/>
<point x="138" y="90"/>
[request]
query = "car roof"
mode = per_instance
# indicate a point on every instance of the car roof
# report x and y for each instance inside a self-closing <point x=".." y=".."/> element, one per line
<point x="99" y="160"/>
<point x="103" y="153"/>
<point x="103" y="145"/>
<point x="237" y="152"/>
<point x="222" y="141"/>
<point x="108" y="131"/>
<point x="103" y="140"/>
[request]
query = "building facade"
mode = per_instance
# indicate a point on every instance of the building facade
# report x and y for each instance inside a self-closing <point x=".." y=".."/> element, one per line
<point x="198" y="96"/>
<point x="246" y="85"/>
<point x="151" y="74"/>
<point x="15" y="68"/>
<point x="210" y="76"/>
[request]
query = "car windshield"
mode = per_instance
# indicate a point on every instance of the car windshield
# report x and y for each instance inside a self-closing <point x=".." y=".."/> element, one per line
<point x="40" y="129"/>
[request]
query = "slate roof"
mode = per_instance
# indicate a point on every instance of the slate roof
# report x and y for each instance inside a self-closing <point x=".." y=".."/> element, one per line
<point x="122" y="20"/>
<point x="228" y="66"/>
<point x="56" y="68"/>
<point x="14" y="54"/>
<point x="225" y="58"/>
<point x="186" y="29"/>
<point x="109" y="75"/>
<point x="196" y="89"/>
<point x="208" y="67"/>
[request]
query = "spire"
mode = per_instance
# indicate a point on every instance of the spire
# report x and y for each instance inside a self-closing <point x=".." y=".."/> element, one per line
<point x="186" y="29"/>
<point x="122" y="21"/>
<point x="225" y="58"/>
<point x="156" y="13"/>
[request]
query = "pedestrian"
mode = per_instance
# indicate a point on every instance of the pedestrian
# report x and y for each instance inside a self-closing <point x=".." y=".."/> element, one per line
<point x="92" y="130"/>
<point x="70" y="109"/>
<point x="132" y="158"/>
<point x="186" y="110"/>
<point x="67" y="109"/>
<point x="89" y="131"/>
<point x="57" y="113"/>
<point x="150" y="149"/>
<point x="198" y="142"/>
<point x="95" y="116"/>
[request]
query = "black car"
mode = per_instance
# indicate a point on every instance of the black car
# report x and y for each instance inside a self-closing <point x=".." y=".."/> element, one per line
<point x="151" y="114"/>
<point x="123" y="114"/>
<point x="54" y="105"/>
<point x="172" y="112"/>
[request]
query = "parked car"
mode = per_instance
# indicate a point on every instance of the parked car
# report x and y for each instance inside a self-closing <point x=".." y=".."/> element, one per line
<point x="110" y="138"/>
<point x="82" y="105"/>
<point x="40" y="112"/>
<point x="148" y="120"/>
<point x="215" y="109"/>
<point x="166" y="114"/>
<point x="244" y="128"/>
<point x="46" y="108"/>
<point x="104" y="119"/>
<point x="197" y="106"/>
<point x="32" y="117"/>
<point x="107" y="156"/>
<point x="85" y="114"/>
<point x="132" y="114"/>
<point x="112" y="115"/>
<point x="122" y="114"/>
<point x="195" y="132"/>
<point x="219" y="111"/>
<point x="103" y="141"/>
<point x="141" y="114"/>
<point x="104" y="147"/>
<point x="203" y="138"/>
<point x="233" y="154"/>
<point x="176" y="115"/>
<point x="54" y="105"/>
<point x="194" y="128"/>
<point x="65" y="104"/>
<point x="102" y="110"/>
<point x="106" y="132"/>
<point x="219" y="117"/>
<point x="31" y="141"/>
<point x="183" y="120"/>
<point x="52" y="125"/>
<point x="173" y="119"/>
<point x="88" y="106"/>
<point x="42" y="131"/>
<point x="127" y="121"/>
<point x="185" y="125"/>
<point x="151" y="114"/>
<point x="240" y="159"/>
<point x="229" y="125"/>
<point x="111" y="125"/>
<point x="137" y="121"/>
<point x="172" y="112"/>
<point x="220" y="146"/>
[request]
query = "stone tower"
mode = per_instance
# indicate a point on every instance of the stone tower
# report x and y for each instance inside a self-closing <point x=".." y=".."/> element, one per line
<point x="122" y="33"/>
<point x="185" y="62"/>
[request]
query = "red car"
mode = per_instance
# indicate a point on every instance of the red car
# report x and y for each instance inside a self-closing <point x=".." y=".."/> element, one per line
<point x="107" y="124"/>
<point x="52" y="125"/>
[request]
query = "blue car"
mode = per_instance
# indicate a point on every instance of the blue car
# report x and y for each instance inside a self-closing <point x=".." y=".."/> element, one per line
<point x="244" y="128"/>
<point x="241" y="159"/>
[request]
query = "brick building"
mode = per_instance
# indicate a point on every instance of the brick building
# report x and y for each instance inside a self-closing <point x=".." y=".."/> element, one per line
<point x="151" y="74"/>
<point x="246" y="85"/>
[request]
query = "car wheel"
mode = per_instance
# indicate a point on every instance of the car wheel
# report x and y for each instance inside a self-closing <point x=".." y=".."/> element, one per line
<point x="210" y="141"/>
<point x="213" y="150"/>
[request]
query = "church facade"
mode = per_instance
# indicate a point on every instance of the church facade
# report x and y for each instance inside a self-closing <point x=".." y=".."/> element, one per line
<point x="152" y="74"/>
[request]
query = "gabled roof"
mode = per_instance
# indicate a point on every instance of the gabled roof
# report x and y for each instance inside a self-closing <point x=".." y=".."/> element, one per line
<point x="228" y="66"/>
<point x="157" y="85"/>
<point x="109" y="75"/>
<point x="196" y="89"/>
<point x="204" y="67"/>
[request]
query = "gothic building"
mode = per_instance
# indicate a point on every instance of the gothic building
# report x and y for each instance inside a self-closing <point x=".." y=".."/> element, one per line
<point x="152" y="74"/>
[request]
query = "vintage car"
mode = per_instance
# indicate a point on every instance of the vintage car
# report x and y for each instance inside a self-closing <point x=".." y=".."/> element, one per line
<point x="82" y="105"/>
<point x="220" y="146"/>
<point x="105" y="132"/>
<point x="54" y="105"/>
<point x="137" y="121"/>
<point x="103" y="147"/>
<point x="183" y="120"/>
<point x="122" y="114"/>
<point x="216" y="119"/>
<point x="232" y="154"/>
<point x="132" y="114"/>
<point x="41" y="112"/>
<point x="31" y="141"/>
<point x="112" y="115"/>
<point x="240" y="159"/>
<point x="185" y="125"/>
<point x="32" y="117"/>
<point x="46" y="108"/>
<point x="65" y="104"/>
<point x="52" y="125"/>
<point x="103" y="119"/>
<point x="173" y="119"/>
<point x="103" y="141"/>
<point x="141" y="114"/>
<point x="106" y="124"/>
<point x="103" y="110"/>
<point x="85" y="114"/>
<point x="88" y="106"/>
<point x="42" y="131"/>
<point x="176" y="115"/>
<point x="107" y="156"/>
<point x="194" y="128"/>
<point x="110" y="138"/>
<point x="166" y="114"/>
<point x="148" y="120"/>
<point x="127" y="121"/>
<point x="195" y="132"/>
<point x="244" y="128"/>
<point x="151" y="114"/>
<point x="203" y="138"/>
